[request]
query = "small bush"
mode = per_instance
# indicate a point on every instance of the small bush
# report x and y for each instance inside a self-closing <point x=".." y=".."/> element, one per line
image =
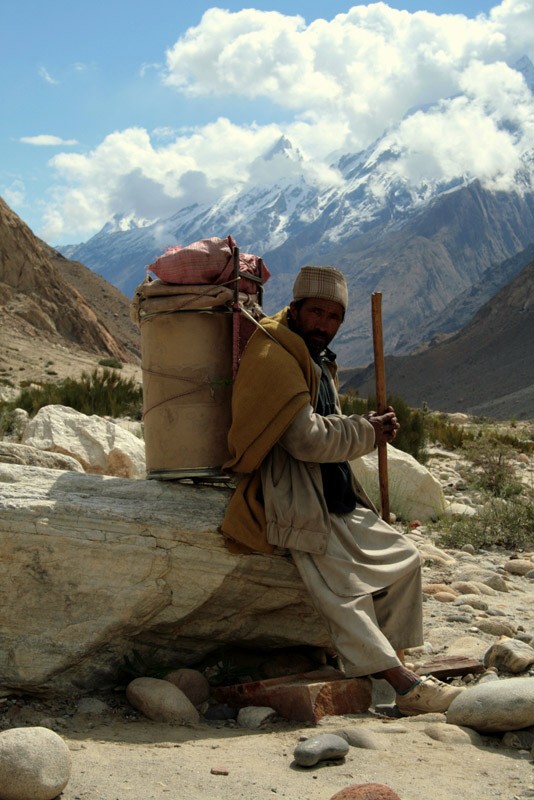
<point x="411" y="437"/>
<point x="8" y="421"/>
<point x="114" y="363"/>
<point x="102" y="392"/>
<point x="352" y="403"/>
<point x="440" y="430"/>
<point x="492" y="471"/>
<point x="505" y="523"/>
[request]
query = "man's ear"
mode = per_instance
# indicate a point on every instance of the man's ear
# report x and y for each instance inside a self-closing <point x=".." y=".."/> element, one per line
<point x="292" y="310"/>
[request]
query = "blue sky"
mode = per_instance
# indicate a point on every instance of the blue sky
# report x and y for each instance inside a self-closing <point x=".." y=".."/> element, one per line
<point x="110" y="107"/>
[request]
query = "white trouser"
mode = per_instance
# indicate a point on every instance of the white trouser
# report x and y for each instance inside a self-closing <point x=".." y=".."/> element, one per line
<point x="366" y="630"/>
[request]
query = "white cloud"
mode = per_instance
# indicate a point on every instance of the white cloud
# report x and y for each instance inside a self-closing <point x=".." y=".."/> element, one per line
<point x="46" y="76"/>
<point x="15" y="194"/>
<point x="146" y="68"/>
<point x="482" y="133"/>
<point x="164" y="132"/>
<point x="366" y="67"/>
<point x="340" y="84"/>
<point x="47" y="140"/>
<point x="150" y="180"/>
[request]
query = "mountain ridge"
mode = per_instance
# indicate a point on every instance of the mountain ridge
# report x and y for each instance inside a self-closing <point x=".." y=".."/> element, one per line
<point x="486" y="368"/>
<point x="57" y="317"/>
<point x="444" y="235"/>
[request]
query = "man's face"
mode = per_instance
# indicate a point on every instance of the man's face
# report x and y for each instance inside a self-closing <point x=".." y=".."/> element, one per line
<point x="317" y="321"/>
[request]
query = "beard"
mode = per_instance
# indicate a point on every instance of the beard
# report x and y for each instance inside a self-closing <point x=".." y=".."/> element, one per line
<point x="315" y="341"/>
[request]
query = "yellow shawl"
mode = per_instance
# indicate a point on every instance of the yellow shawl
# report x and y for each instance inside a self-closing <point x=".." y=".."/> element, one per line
<point x="275" y="380"/>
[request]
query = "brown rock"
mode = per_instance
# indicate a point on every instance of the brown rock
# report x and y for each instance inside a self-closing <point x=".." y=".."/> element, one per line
<point x="465" y="587"/>
<point x="161" y="701"/>
<point x="445" y="597"/>
<point x="509" y="655"/>
<point x="450" y="666"/>
<point x="518" y="566"/>
<point x="433" y="588"/>
<point x="304" y="698"/>
<point x="366" y="791"/>
<point x="192" y="683"/>
<point x="497" y="627"/>
<point x="496" y="582"/>
<point x="14" y="453"/>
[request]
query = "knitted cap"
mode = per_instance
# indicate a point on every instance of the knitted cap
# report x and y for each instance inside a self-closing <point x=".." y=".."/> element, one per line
<point x="326" y="283"/>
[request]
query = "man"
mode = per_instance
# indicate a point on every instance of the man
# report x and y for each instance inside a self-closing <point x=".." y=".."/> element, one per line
<point x="291" y="445"/>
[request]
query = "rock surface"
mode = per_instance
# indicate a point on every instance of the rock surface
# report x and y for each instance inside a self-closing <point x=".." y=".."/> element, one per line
<point x="99" y="445"/>
<point x="93" y="567"/>
<point x="13" y="453"/>
<point x="192" y="683"/>
<point x="320" y="748"/>
<point x="414" y="493"/>
<point x="509" y="655"/>
<point x="366" y="791"/>
<point x="35" y="764"/>
<point x="505" y="705"/>
<point x="161" y="701"/>
<point x="253" y="717"/>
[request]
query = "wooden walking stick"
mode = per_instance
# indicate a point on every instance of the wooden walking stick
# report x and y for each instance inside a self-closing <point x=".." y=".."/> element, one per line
<point x="381" y="401"/>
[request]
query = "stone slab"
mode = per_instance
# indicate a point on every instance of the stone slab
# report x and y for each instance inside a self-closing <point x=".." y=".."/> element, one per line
<point x="450" y="667"/>
<point x="307" y="697"/>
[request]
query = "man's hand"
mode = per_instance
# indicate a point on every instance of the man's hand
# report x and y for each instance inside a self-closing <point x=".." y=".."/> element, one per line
<point x="386" y="425"/>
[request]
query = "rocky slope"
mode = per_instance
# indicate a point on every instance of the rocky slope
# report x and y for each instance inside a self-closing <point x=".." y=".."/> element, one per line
<point x="57" y="317"/>
<point x="423" y="256"/>
<point x="486" y="368"/>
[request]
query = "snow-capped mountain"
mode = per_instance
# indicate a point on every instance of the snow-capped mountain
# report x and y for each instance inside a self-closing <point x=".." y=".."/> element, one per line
<point x="422" y="242"/>
<point x="525" y="66"/>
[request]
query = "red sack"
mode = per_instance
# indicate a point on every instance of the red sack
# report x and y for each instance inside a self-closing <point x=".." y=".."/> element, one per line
<point x="209" y="261"/>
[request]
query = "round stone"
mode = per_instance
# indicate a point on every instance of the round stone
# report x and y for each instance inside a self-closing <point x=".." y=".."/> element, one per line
<point x="366" y="791"/>
<point x="504" y="705"/>
<point x="161" y="701"/>
<point x="192" y="683"/>
<point x="35" y="764"/>
<point x="320" y="748"/>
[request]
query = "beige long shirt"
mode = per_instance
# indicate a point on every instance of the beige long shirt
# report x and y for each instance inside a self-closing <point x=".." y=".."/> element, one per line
<point x="355" y="553"/>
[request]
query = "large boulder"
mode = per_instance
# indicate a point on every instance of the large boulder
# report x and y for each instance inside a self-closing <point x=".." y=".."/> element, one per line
<point x="34" y="763"/>
<point x="414" y="493"/>
<point x="161" y="701"/>
<point x="93" y="568"/>
<point x="13" y="453"/>
<point x="495" y="707"/>
<point x="101" y="446"/>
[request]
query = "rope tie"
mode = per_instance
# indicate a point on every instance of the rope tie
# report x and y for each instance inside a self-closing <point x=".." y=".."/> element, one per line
<point x="199" y="384"/>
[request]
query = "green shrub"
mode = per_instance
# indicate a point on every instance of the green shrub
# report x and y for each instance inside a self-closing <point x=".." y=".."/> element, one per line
<point x="440" y="430"/>
<point x="103" y="393"/>
<point x="352" y="403"/>
<point x="492" y="470"/>
<point x="114" y="363"/>
<point x="411" y="437"/>
<point x="8" y="422"/>
<point x="505" y="523"/>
